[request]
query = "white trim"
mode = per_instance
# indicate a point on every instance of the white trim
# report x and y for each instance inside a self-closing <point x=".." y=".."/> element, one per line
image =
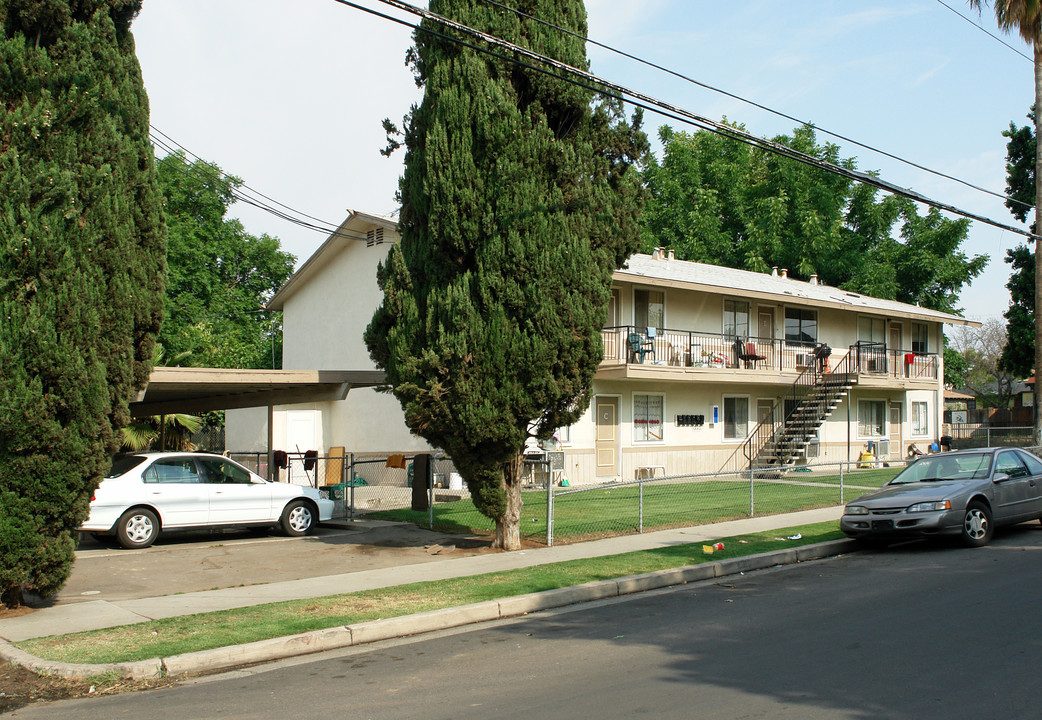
<point x="633" y="420"/>
<point x="926" y="417"/>
<point x="886" y="419"/>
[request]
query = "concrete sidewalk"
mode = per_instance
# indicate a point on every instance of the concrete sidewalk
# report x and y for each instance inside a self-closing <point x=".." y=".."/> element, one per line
<point x="91" y="615"/>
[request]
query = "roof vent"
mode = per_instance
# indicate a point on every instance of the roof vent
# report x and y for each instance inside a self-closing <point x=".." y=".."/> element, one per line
<point x="774" y="271"/>
<point x="656" y="254"/>
<point x="671" y="256"/>
<point x="813" y="278"/>
<point x="785" y="273"/>
<point x="374" y="237"/>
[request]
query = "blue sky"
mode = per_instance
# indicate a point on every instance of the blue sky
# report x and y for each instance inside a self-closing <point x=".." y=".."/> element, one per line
<point x="290" y="96"/>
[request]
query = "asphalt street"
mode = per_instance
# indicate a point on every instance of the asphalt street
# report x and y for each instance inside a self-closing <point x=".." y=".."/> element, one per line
<point x="913" y="632"/>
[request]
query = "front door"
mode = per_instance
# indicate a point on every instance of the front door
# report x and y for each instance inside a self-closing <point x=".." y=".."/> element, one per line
<point x="764" y="414"/>
<point x="765" y="331"/>
<point x="607" y="442"/>
<point x="895" y="348"/>
<point x="896" y="437"/>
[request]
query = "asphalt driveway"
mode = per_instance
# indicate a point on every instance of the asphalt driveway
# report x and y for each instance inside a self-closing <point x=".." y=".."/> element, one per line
<point x="208" y="560"/>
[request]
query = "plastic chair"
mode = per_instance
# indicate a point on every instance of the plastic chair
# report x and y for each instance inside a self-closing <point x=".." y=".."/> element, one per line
<point x="639" y="347"/>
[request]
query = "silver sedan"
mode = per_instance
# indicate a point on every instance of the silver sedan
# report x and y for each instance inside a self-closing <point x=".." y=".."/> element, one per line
<point x="967" y="494"/>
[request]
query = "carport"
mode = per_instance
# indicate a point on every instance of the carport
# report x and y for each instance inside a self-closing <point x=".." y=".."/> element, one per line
<point x="198" y="390"/>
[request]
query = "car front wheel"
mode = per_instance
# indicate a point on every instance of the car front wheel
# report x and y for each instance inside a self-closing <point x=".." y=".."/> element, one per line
<point x="977" y="528"/>
<point x="298" y="518"/>
<point x="137" y="528"/>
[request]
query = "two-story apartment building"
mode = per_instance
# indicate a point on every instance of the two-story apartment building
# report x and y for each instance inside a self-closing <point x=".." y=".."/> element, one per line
<point x="705" y="368"/>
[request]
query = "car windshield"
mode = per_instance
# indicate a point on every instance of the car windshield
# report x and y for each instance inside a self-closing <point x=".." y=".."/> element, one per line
<point x="943" y="467"/>
<point x="122" y="464"/>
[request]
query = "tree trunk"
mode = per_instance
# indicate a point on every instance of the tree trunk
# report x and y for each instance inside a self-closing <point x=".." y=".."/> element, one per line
<point x="1038" y="229"/>
<point x="508" y="527"/>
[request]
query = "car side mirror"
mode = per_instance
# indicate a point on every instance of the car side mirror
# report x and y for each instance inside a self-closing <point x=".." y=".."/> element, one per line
<point x="1000" y="477"/>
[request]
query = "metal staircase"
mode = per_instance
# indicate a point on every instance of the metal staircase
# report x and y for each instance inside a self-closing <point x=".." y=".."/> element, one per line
<point x="804" y="408"/>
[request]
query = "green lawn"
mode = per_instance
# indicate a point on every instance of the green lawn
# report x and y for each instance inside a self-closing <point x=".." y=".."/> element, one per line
<point x="188" y="633"/>
<point x="585" y="513"/>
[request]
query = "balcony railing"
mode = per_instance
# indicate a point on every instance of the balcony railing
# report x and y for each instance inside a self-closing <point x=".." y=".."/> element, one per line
<point x="635" y="345"/>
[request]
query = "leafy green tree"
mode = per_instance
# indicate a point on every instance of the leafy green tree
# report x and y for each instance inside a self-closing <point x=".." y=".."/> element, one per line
<point x="519" y="199"/>
<point x="716" y="200"/>
<point x="81" y="270"/>
<point x="1018" y="356"/>
<point x="982" y="373"/>
<point x="1025" y="16"/>
<point x="220" y="276"/>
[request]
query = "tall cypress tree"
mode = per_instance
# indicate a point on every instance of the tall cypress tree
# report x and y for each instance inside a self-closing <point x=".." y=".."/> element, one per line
<point x="519" y="199"/>
<point x="82" y="267"/>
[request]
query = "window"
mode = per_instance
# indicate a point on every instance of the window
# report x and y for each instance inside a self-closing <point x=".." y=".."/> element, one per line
<point x="647" y="418"/>
<point x="649" y="309"/>
<point x="920" y="419"/>
<point x="564" y="435"/>
<point x="736" y="318"/>
<point x="920" y="338"/>
<point x="1010" y="464"/>
<point x="801" y="326"/>
<point x="220" y="471"/>
<point x="172" y="470"/>
<point x="1033" y="463"/>
<point x="870" y="329"/>
<point x="871" y="418"/>
<point x="736" y="418"/>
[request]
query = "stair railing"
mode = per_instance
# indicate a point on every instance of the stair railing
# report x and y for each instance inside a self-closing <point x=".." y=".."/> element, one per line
<point x="796" y="422"/>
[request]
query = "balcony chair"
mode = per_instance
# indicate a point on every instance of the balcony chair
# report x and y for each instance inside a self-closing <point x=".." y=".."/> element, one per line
<point x="749" y="355"/>
<point x="639" y="347"/>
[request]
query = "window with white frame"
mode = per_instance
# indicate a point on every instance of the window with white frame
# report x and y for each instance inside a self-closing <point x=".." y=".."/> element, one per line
<point x="920" y="338"/>
<point x="649" y="309"/>
<point x="564" y="435"/>
<point x="871" y="418"/>
<point x="920" y="419"/>
<point x="736" y="418"/>
<point x="736" y="318"/>
<point x="647" y="418"/>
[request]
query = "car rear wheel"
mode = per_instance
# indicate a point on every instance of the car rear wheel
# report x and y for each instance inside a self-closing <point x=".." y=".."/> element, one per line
<point x="298" y="518"/>
<point x="977" y="527"/>
<point x="137" y="528"/>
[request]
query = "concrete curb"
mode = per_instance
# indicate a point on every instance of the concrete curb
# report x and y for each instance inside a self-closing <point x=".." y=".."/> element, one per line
<point x="431" y="621"/>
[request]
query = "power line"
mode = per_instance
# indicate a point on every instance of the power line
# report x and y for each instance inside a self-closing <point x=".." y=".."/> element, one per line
<point x="171" y="146"/>
<point x="755" y="104"/>
<point x="605" y="87"/>
<point x="986" y="32"/>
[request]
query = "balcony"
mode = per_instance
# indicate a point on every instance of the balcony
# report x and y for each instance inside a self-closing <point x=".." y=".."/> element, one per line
<point x="631" y="351"/>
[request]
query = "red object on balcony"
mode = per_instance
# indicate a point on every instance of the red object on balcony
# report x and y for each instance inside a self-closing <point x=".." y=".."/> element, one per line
<point x="909" y="358"/>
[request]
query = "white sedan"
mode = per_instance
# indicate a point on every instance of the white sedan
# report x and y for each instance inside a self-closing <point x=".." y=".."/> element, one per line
<point x="148" y="493"/>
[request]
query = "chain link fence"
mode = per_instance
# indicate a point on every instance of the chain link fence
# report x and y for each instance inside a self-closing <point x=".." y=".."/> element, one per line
<point x="360" y="484"/>
<point x="381" y="487"/>
<point x="972" y="435"/>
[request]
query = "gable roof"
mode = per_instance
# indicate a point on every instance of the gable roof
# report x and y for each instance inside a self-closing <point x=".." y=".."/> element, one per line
<point x="351" y="230"/>
<point x="713" y="278"/>
<point x="653" y="271"/>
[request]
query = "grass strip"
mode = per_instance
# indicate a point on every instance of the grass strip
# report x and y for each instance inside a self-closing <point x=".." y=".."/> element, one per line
<point x="189" y="633"/>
